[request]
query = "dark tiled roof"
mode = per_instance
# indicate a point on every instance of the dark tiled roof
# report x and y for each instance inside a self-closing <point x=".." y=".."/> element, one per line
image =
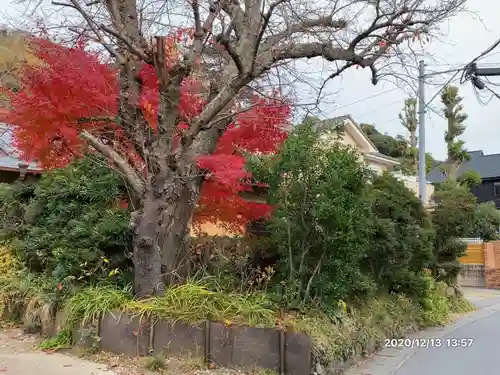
<point x="9" y="157"/>
<point x="488" y="166"/>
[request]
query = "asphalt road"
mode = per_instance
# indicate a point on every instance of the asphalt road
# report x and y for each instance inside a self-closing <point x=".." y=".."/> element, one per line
<point x="478" y="352"/>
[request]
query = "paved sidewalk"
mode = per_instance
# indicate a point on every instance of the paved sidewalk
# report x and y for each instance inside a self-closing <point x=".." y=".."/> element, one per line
<point x="18" y="357"/>
<point x="480" y="356"/>
<point x="482" y="297"/>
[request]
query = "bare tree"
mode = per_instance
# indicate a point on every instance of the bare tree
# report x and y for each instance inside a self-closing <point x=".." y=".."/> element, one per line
<point x="251" y="38"/>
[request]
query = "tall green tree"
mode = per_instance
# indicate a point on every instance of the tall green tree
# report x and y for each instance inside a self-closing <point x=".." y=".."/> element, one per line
<point x="395" y="147"/>
<point x="321" y="226"/>
<point x="456" y="117"/>
<point x="453" y="219"/>
<point x="409" y="120"/>
<point x="401" y="246"/>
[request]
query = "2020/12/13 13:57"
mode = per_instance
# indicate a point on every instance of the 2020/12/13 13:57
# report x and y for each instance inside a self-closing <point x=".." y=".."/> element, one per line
<point x="429" y="343"/>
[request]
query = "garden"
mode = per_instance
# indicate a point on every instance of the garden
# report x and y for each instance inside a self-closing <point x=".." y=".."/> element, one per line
<point x="347" y="257"/>
<point x="139" y="153"/>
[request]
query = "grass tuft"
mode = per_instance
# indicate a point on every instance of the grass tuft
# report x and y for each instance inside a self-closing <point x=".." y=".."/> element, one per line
<point x="460" y="305"/>
<point x="191" y="302"/>
<point x="94" y="301"/>
<point x="155" y="363"/>
<point x="62" y="340"/>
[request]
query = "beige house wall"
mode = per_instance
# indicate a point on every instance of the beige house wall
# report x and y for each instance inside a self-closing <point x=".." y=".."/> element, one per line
<point x="412" y="184"/>
<point x="376" y="166"/>
<point x="212" y="229"/>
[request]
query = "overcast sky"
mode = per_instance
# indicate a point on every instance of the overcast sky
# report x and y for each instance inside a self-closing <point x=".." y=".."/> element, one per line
<point x="464" y="38"/>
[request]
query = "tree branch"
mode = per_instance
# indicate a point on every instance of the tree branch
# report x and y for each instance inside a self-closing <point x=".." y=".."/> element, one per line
<point x="235" y="12"/>
<point x="130" y="45"/>
<point x="135" y="182"/>
<point x="232" y="53"/>
<point x="74" y="4"/>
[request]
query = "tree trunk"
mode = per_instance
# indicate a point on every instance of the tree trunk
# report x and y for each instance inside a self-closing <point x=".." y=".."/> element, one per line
<point x="161" y="242"/>
<point x="175" y="229"/>
<point x="147" y="257"/>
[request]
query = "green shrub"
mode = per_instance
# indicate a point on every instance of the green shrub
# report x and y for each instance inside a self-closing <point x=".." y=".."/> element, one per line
<point x="486" y="222"/>
<point x="360" y="330"/>
<point x="321" y="224"/>
<point x="402" y="238"/>
<point x="70" y="226"/>
<point x="460" y="305"/>
<point x="434" y="301"/>
<point x="13" y="201"/>
<point x="453" y="219"/>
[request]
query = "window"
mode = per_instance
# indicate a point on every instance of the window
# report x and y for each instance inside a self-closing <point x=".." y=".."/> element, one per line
<point x="496" y="189"/>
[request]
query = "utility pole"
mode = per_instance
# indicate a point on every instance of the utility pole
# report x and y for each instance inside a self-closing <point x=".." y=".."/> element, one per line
<point x="474" y="72"/>
<point x="422" y="176"/>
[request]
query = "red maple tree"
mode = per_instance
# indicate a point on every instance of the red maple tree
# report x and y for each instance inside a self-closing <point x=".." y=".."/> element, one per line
<point x="73" y="90"/>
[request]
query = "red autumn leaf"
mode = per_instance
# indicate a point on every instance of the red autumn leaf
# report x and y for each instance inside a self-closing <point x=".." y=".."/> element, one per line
<point x="123" y="203"/>
<point x="74" y="84"/>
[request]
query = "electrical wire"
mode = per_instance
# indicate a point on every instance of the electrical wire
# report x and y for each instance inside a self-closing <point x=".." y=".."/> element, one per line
<point x="466" y="74"/>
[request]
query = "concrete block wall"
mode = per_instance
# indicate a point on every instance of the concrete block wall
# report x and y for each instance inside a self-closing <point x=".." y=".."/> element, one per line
<point x="287" y="353"/>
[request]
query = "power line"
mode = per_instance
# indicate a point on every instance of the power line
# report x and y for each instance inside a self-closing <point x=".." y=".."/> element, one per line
<point x="470" y="71"/>
<point x="367" y="98"/>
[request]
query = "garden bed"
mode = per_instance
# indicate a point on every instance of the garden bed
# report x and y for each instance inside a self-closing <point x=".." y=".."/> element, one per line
<point x="225" y="330"/>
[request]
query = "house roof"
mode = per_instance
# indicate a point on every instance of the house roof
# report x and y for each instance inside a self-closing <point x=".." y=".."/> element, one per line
<point x="488" y="166"/>
<point x="325" y="124"/>
<point x="9" y="156"/>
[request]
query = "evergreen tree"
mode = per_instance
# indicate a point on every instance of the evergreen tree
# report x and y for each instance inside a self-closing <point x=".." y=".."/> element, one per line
<point x="454" y="114"/>
<point x="409" y="120"/>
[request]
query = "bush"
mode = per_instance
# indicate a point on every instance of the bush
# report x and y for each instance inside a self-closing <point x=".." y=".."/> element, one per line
<point x="453" y="219"/>
<point x="364" y="326"/>
<point x="402" y="240"/>
<point x="486" y="222"/>
<point x="70" y="226"/>
<point x="435" y="303"/>
<point x="13" y="201"/>
<point x="321" y="225"/>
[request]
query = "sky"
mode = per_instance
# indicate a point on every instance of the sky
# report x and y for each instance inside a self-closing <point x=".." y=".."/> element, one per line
<point x="463" y="38"/>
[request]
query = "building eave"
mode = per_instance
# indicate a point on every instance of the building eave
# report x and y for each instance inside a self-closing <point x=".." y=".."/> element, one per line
<point x="381" y="158"/>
